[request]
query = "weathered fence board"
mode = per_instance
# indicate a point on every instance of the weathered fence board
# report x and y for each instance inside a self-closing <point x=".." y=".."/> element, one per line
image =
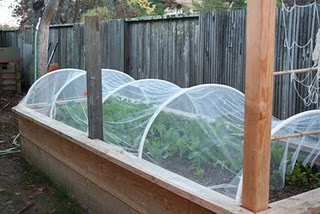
<point x="209" y="48"/>
<point x="113" y="42"/>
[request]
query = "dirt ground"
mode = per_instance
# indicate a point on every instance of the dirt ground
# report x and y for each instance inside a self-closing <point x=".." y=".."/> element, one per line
<point x="24" y="189"/>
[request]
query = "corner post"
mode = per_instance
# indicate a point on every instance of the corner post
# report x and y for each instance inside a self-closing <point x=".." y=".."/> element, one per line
<point x="260" y="44"/>
<point x="94" y="82"/>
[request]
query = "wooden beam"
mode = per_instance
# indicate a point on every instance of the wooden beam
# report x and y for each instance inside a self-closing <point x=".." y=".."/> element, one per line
<point x="94" y="82"/>
<point x="307" y="203"/>
<point x="258" y="103"/>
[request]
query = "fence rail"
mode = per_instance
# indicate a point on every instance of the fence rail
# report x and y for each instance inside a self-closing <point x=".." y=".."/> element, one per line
<point x="208" y="48"/>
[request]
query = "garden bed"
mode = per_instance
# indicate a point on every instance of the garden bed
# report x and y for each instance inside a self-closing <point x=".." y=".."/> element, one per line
<point x="184" y="143"/>
<point x="90" y="167"/>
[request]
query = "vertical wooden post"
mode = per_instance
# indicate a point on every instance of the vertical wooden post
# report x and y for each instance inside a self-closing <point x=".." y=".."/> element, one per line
<point x="258" y="103"/>
<point x="94" y="82"/>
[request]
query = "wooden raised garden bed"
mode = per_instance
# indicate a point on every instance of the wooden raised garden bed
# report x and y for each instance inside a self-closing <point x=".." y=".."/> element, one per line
<point x="103" y="177"/>
<point x="106" y="179"/>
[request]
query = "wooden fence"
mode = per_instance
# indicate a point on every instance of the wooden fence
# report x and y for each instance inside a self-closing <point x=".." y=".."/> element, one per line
<point x="191" y="50"/>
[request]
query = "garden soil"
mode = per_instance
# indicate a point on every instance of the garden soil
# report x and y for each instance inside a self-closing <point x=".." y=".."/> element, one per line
<point x="24" y="189"/>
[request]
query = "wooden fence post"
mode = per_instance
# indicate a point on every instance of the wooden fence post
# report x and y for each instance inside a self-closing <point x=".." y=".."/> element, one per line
<point x="94" y="82"/>
<point x="258" y="103"/>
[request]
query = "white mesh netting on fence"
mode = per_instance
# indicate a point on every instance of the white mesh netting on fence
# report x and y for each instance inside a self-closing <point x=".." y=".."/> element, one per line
<point x="196" y="132"/>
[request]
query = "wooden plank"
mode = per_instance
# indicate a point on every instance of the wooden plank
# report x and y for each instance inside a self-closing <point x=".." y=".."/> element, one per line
<point x="258" y="103"/>
<point x="164" y="47"/>
<point x="63" y="47"/>
<point x="69" y="47"/>
<point x="197" y="72"/>
<point x="307" y="203"/>
<point x="8" y="75"/>
<point x="126" y="48"/>
<point x="186" y="54"/>
<point x="90" y="196"/>
<point x="155" y="39"/>
<point x="179" y="48"/>
<point x="94" y="82"/>
<point x="18" y="78"/>
<point x="25" y="43"/>
<point x="76" y="54"/>
<point x="121" y="31"/>
<point x="195" y="68"/>
<point x="9" y="87"/>
<point x="9" y="81"/>
<point x="12" y="59"/>
<point x="1" y="70"/>
<point x="140" y="45"/>
<point x="140" y="184"/>
<point x="105" y="50"/>
<point x="10" y="54"/>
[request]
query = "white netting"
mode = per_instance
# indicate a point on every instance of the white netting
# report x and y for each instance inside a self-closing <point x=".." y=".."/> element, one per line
<point x="195" y="132"/>
<point x="310" y="81"/>
<point x="112" y="79"/>
<point x="42" y="94"/>
<point x="300" y="142"/>
<point x="127" y="110"/>
<point x="198" y="134"/>
<point x="71" y="101"/>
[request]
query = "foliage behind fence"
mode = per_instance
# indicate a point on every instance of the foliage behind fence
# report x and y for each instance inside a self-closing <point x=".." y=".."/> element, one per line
<point x="207" y="48"/>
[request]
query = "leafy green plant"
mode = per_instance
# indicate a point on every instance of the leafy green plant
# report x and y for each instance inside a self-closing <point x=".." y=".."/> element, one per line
<point x="199" y="171"/>
<point x="277" y="151"/>
<point x="192" y="139"/>
<point x="103" y="12"/>
<point x="73" y="114"/>
<point x="302" y="175"/>
<point x="198" y="141"/>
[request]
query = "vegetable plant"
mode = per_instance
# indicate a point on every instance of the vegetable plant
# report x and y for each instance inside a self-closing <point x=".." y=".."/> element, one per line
<point x="303" y="175"/>
<point x="198" y="141"/>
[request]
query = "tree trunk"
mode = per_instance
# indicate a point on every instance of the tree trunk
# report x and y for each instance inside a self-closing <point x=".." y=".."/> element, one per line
<point x="43" y="36"/>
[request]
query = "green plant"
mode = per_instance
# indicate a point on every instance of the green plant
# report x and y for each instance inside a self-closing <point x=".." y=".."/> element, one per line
<point x="196" y="140"/>
<point x="199" y="171"/>
<point x="103" y="12"/>
<point x="303" y="175"/>
<point x="73" y="114"/>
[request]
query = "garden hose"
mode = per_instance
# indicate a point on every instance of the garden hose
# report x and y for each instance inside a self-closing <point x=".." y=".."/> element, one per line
<point x="35" y="55"/>
<point x="12" y="150"/>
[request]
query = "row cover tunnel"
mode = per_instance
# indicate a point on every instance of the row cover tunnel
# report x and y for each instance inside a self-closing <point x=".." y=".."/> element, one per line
<point x="196" y="132"/>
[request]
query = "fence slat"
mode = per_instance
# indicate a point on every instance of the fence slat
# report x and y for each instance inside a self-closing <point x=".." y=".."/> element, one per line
<point x="208" y="48"/>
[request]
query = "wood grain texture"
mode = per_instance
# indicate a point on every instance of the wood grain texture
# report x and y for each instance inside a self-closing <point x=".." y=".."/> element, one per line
<point x="94" y="82"/>
<point x="258" y="103"/>
<point x="91" y="197"/>
<point x="143" y="186"/>
<point x="305" y="203"/>
<point x="10" y="77"/>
